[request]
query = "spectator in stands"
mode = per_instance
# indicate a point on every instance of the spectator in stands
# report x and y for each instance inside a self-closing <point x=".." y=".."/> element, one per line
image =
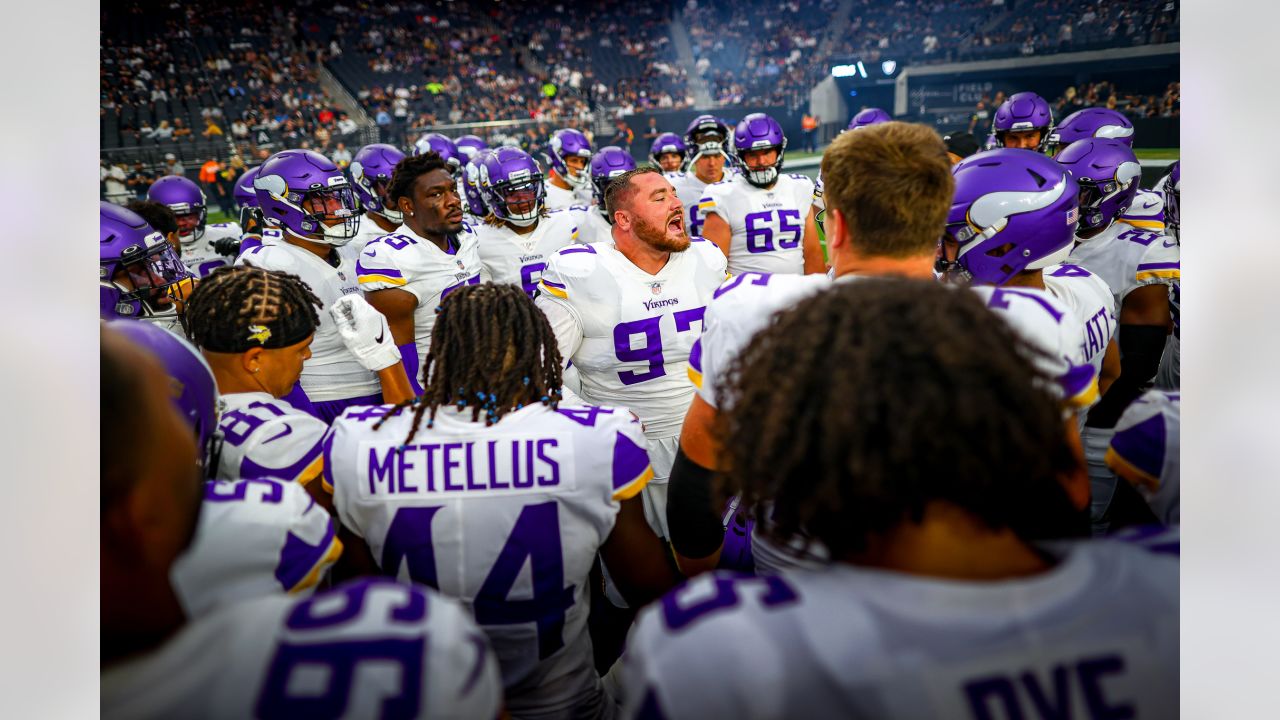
<point x="209" y="180"/>
<point x="239" y="130"/>
<point x="980" y="120"/>
<point x="235" y="90"/>
<point x="346" y="125"/>
<point x="172" y="166"/>
<point x="139" y="181"/>
<point x="163" y="132"/>
<point x="623" y="135"/>
<point x="211" y="129"/>
<point x="180" y="130"/>
<point x="651" y="133"/>
<point x="383" y="118"/>
<point x="341" y="156"/>
<point x="114" y="179"/>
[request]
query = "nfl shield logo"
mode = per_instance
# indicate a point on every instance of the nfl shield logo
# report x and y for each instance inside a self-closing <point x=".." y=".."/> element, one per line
<point x="656" y="288"/>
<point x="888" y="66"/>
<point x="460" y="265"/>
<point x="342" y="276"/>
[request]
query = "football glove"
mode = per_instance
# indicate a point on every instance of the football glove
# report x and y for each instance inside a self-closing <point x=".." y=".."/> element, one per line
<point x="365" y="332"/>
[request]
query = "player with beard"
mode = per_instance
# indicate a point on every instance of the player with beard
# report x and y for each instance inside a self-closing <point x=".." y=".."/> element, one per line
<point x="407" y="274"/>
<point x="626" y="313"/>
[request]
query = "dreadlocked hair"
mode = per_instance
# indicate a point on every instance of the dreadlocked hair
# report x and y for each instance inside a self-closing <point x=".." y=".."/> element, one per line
<point x="409" y="170"/>
<point x="231" y="299"/>
<point x="856" y="409"/>
<point x="492" y="350"/>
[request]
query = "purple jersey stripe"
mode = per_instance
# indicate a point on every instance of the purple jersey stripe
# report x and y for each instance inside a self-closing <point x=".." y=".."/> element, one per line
<point x="1076" y="380"/>
<point x="695" y="355"/>
<point x="1143" y="445"/>
<point x="629" y="461"/>
<point x="389" y="272"/>
<point x="297" y="559"/>
<point x="249" y="468"/>
<point x="577" y="249"/>
<point x="1160" y="266"/>
<point x="552" y="283"/>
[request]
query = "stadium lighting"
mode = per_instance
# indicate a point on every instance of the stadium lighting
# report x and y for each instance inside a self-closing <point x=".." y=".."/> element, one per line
<point x="844" y="70"/>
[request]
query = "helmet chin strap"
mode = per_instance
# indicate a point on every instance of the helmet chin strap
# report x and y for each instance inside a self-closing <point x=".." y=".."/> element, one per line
<point x="771" y="173"/>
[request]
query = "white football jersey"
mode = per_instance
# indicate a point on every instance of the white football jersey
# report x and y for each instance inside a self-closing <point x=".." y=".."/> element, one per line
<point x="464" y="508"/>
<point x="595" y="228"/>
<point x="629" y="333"/>
<point x="767" y="225"/>
<point x="368" y="231"/>
<point x="1146" y="211"/>
<point x="690" y="190"/>
<point x="266" y="437"/>
<point x="255" y="537"/>
<point x="406" y="261"/>
<point x="1049" y="325"/>
<point x="1146" y="446"/>
<point x="369" y="648"/>
<point x="1128" y="258"/>
<point x="1095" y="636"/>
<point x="560" y="198"/>
<point x="199" y="255"/>
<point x="1090" y="301"/>
<point x="332" y="372"/>
<point x="513" y="259"/>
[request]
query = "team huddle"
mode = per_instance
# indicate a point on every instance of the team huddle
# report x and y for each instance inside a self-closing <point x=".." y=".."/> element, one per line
<point x="462" y="432"/>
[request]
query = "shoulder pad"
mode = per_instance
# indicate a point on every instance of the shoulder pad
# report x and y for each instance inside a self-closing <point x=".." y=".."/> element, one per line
<point x="576" y="260"/>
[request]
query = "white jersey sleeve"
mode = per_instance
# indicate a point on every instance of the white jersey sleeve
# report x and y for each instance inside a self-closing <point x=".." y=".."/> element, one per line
<point x="1090" y="301"/>
<point x="405" y="261"/>
<point x="332" y="372"/>
<point x="1050" y="326"/>
<point x="1145" y="212"/>
<point x="463" y="507"/>
<point x="740" y="308"/>
<point x="560" y="198"/>
<point x="766" y="226"/>
<point x="369" y="230"/>
<point x="514" y="259"/>
<point x="368" y="648"/>
<point x="1128" y="258"/>
<point x="267" y="437"/>
<point x="1099" y="631"/>
<point x="595" y="228"/>
<point x="255" y="537"/>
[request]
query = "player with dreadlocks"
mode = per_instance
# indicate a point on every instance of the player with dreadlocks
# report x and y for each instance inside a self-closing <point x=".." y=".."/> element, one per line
<point x="535" y="481"/>
<point x="255" y="328"/>
<point x="926" y="454"/>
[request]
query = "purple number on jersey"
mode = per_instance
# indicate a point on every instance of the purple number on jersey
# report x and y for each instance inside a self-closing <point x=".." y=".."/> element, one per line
<point x="231" y="422"/>
<point x="473" y="280"/>
<point x="1069" y="271"/>
<point x="999" y="300"/>
<point x="232" y="491"/>
<point x="399" y="242"/>
<point x="1142" y="237"/>
<point x="789" y="222"/>
<point x="530" y="276"/>
<point x="695" y="223"/>
<point x="584" y="416"/>
<point x="209" y="266"/>
<point x="777" y="592"/>
<point x="759" y="236"/>
<point x="651" y="351"/>
<point x="755" y="278"/>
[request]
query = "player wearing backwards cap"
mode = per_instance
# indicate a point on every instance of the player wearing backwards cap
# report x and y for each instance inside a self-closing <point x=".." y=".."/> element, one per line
<point x="371" y="171"/>
<point x="568" y="183"/>
<point x="187" y="201"/>
<point x="626" y="312"/>
<point x="943" y="598"/>
<point x="707" y="144"/>
<point x="256" y="657"/>
<point x="408" y="273"/>
<point x="763" y="220"/>
<point x="313" y="211"/>
<point x="488" y="473"/>
<point x="608" y="162"/>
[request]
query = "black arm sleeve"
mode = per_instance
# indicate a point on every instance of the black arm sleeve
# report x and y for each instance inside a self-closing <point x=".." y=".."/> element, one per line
<point x="1140" y="349"/>
<point x="695" y="526"/>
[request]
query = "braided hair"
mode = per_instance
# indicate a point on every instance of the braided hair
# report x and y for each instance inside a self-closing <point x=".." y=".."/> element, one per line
<point x="857" y="408"/>
<point x="241" y="307"/>
<point x="492" y="350"/>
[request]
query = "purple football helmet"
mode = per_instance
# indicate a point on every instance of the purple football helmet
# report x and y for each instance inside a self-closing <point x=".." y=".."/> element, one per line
<point x="139" y="272"/>
<point x="1022" y="112"/>
<point x="512" y="186"/>
<point x="195" y="392"/>
<point x="608" y="163"/>
<point x="1172" y="187"/>
<point x="186" y="200"/>
<point x="469" y="145"/>
<point x="247" y="200"/>
<point x="442" y="146"/>
<point x="869" y="116"/>
<point x="371" y="170"/>
<point x="1108" y="173"/>
<point x="1014" y="210"/>
<point x="663" y="144"/>
<point x="1089" y="123"/>
<point x="299" y="189"/>
<point x="758" y="131"/>
<point x="566" y="143"/>
<point x="706" y="136"/>
<point x="471" y="184"/>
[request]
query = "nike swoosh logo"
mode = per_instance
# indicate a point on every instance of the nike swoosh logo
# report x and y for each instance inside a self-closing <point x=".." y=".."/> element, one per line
<point x="381" y="334"/>
<point x="1166" y="243"/>
<point x="372" y="254"/>
<point x="1149" y="205"/>
<point x="287" y="430"/>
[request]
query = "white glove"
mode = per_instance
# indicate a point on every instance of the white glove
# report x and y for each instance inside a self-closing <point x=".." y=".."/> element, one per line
<point x="365" y="332"/>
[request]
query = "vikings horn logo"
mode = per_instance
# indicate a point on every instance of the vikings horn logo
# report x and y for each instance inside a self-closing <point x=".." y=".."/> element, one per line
<point x="260" y="333"/>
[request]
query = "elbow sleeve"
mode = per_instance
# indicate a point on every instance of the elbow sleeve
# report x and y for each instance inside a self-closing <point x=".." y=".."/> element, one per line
<point x="695" y="526"/>
<point x="1140" y="349"/>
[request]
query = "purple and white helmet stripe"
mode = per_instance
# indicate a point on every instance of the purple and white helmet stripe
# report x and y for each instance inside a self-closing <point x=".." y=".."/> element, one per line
<point x="289" y="186"/>
<point x="1108" y="173"/>
<point x="471" y="184"/>
<point x="566" y="143"/>
<point x="510" y="180"/>
<point x="758" y="131"/>
<point x="869" y="116"/>
<point x="608" y="163"/>
<point x="468" y="146"/>
<point x="1089" y="123"/>
<point x="137" y="268"/>
<point x="371" y="171"/>
<point x="442" y="146"/>
<point x="1013" y="210"/>
<point x="183" y="197"/>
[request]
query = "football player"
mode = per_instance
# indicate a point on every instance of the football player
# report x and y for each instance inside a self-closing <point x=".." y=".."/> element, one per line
<point x="371" y="170"/>
<point x="160" y="218"/>
<point x="942" y="601"/>
<point x="187" y="201"/>
<point x="313" y="211"/>
<point x="254" y="537"/>
<point x="1138" y="266"/>
<point x="761" y="220"/>
<point x="1170" y="376"/>
<point x="626" y="313"/>
<point x="668" y="153"/>
<point x="869" y="233"/>
<point x="408" y="273"/>
<point x="1145" y="451"/>
<point x="468" y="146"/>
<point x="140" y="275"/>
<point x="568" y="183"/>
<point x="255" y="329"/>
<point x="255" y="657"/>
<point x="608" y="163"/>
<point x="521" y="231"/>
<point x="1025" y="120"/>
<point x="442" y="146"/>
<point x="868" y="117"/>
<point x="707" y="142"/>
<point x="488" y="473"/>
